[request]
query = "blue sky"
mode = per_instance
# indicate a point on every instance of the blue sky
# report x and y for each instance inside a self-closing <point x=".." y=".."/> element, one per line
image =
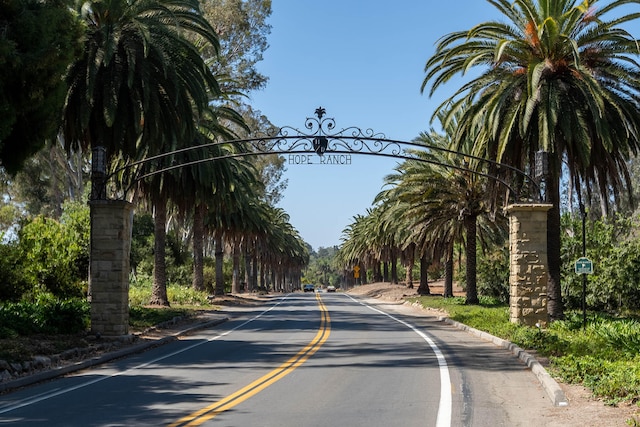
<point x="363" y="61"/>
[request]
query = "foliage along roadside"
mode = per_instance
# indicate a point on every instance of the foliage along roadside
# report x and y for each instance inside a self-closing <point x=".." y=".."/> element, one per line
<point x="604" y="356"/>
<point x="48" y="314"/>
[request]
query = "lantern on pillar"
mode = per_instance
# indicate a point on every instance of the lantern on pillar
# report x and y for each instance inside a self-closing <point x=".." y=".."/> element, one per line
<point x="542" y="170"/>
<point x="98" y="173"/>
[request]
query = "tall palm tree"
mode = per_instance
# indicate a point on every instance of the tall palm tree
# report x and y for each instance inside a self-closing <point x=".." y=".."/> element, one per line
<point x="207" y="171"/>
<point x="559" y="76"/>
<point x="283" y="252"/>
<point x="357" y="247"/>
<point x="232" y="195"/>
<point x="135" y="87"/>
<point x="139" y="88"/>
<point x="445" y="198"/>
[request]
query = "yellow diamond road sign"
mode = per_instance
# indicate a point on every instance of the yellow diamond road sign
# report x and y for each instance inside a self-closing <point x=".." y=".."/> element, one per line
<point x="584" y="266"/>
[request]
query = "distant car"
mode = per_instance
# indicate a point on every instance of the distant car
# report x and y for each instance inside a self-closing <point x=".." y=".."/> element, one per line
<point x="331" y="288"/>
<point x="308" y="288"/>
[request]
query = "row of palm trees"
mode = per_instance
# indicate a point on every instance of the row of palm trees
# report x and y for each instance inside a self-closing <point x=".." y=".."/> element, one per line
<point x="558" y="76"/>
<point x="433" y="200"/>
<point x="142" y="90"/>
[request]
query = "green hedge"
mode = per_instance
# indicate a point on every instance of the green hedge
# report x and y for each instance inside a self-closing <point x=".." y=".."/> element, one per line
<point x="46" y="315"/>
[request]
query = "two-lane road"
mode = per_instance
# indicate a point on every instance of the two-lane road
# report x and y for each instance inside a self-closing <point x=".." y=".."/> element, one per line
<point x="301" y="360"/>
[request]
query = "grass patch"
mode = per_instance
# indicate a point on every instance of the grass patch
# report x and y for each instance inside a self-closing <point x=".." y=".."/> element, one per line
<point x="184" y="300"/>
<point x="140" y="295"/>
<point x="604" y="356"/>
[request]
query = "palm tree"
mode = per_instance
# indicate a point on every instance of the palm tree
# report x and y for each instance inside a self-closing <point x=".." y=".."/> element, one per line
<point x="283" y="252"/>
<point x="138" y="89"/>
<point x="357" y="247"/>
<point x="444" y="199"/>
<point x="135" y="87"/>
<point x="208" y="170"/>
<point x="229" y="201"/>
<point x="558" y="76"/>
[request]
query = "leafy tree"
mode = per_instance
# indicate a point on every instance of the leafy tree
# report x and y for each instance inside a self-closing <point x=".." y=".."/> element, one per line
<point x="38" y="41"/>
<point x="322" y="268"/>
<point x="613" y="246"/>
<point x="560" y="76"/>
<point x="242" y="29"/>
<point x="271" y="167"/>
<point x="142" y="243"/>
<point x="49" y="178"/>
<point x="139" y="85"/>
<point x="138" y="90"/>
<point x="13" y="284"/>
<point x="76" y="220"/>
<point x="49" y="257"/>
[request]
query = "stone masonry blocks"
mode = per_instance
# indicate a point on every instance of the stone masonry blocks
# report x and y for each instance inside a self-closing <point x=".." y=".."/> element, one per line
<point x="528" y="264"/>
<point x="111" y="222"/>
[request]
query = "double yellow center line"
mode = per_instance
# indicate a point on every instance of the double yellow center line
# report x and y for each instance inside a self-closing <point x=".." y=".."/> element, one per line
<point x="199" y="417"/>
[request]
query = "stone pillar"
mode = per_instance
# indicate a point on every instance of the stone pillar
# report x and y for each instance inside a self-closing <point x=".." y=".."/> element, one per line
<point x="111" y="223"/>
<point x="528" y="264"/>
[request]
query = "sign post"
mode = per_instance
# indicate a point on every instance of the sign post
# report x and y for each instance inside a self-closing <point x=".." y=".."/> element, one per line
<point x="584" y="266"/>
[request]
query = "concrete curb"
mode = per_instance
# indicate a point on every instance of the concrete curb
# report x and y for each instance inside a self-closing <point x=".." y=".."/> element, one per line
<point x="103" y="358"/>
<point x="550" y="385"/>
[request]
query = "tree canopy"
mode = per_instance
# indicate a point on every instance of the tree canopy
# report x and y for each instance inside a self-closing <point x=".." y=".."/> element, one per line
<point x="38" y="41"/>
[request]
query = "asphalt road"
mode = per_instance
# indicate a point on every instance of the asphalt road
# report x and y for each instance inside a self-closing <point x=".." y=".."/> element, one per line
<point x="302" y="360"/>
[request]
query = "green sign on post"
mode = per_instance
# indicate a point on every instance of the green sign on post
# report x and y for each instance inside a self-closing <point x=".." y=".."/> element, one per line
<point x="584" y="266"/>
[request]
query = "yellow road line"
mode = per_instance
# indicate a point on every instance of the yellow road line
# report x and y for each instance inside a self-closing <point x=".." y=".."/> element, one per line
<point x="207" y="413"/>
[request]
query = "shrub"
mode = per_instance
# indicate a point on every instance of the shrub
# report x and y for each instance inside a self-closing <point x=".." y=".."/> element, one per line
<point x="49" y="254"/>
<point x="493" y="273"/>
<point x="47" y="314"/>
<point x="615" y="251"/>
<point x="12" y="282"/>
<point x="604" y="356"/>
<point x="140" y="293"/>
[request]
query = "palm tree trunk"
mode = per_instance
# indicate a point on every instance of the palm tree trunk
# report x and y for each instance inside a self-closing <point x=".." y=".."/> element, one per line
<point x="423" y="289"/>
<point x="254" y="269"/>
<point x="219" y="254"/>
<point x="410" y="257"/>
<point x="248" y="282"/>
<point x="385" y="269"/>
<point x="198" y="239"/>
<point x="470" y="253"/>
<point x="554" y="290"/>
<point x="263" y="276"/>
<point x="394" y="265"/>
<point x="377" y="271"/>
<point x="448" y="272"/>
<point x="159" y="287"/>
<point x="235" y="282"/>
<point x="409" y="275"/>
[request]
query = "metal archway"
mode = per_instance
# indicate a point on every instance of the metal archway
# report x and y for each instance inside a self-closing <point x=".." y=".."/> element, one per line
<point x="111" y="223"/>
<point x="322" y="139"/>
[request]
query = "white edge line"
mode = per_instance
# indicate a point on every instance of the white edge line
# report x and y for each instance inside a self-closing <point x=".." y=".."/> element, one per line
<point x="445" y="407"/>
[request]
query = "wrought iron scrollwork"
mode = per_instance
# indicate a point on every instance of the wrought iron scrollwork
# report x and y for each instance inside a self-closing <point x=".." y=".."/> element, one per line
<point x="321" y="137"/>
